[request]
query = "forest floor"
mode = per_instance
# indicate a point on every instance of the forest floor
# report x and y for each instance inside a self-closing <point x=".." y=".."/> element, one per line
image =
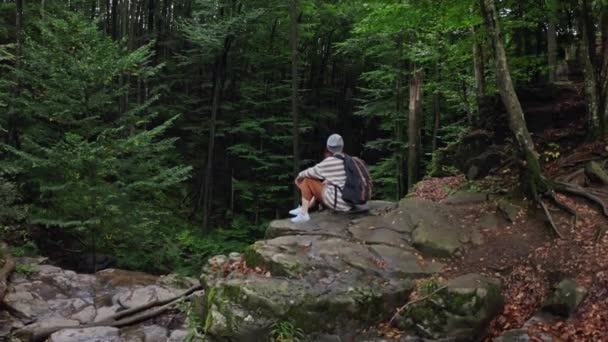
<point x="528" y="256"/>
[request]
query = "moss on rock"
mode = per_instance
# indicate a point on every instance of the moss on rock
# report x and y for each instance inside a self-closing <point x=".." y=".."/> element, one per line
<point x="459" y="311"/>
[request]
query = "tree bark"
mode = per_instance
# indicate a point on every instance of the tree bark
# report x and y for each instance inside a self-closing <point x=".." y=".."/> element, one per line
<point x="293" y="38"/>
<point x="436" y="118"/>
<point x="535" y="182"/>
<point x="114" y="25"/>
<point x="592" y="85"/>
<point x="415" y="110"/>
<point x="13" y="137"/>
<point x="479" y="66"/>
<point x="399" y="99"/>
<point x="552" y="39"/>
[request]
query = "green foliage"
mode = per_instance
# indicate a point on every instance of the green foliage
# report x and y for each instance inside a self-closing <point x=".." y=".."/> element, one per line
<point x="11" y="209"/>
<point x="99" y="173"/>
<point x="285" y="331"/>
<point x="194" y="323"/>
<point x="25" y="269"/>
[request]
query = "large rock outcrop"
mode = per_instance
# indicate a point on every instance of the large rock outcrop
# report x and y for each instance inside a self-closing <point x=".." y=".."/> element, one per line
<point x="331" y="275"/>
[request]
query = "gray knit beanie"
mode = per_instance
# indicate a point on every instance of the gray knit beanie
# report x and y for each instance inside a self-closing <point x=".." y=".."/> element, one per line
<point x="335" y="143"/>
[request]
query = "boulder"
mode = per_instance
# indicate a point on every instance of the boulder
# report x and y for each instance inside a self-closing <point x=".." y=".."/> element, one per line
<point x="335" y="273"/>
<point x="481" y="165"/>
<point x="96" y="334"/>
<point x="240" y="307"/>
<point x="566" y="297"/>
<point x="460" y="311"/>
<point x="521" y="335"/>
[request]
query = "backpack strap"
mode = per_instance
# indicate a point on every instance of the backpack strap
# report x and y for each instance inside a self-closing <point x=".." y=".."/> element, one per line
<point x="342" y="157"/>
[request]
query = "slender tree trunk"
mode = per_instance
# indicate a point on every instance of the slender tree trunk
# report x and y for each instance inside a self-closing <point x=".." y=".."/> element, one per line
<point x="552" y="39"/>
<point x="218" y="84"/>
<point x="19" y="32"/>
<point x="93" y="9"/>
<point x="415" y="109"/>
<point x="13" y="136"/>
<point x="399" y="122"/>
<point x="207" y="195"/>
<point x="436" y="110"/>
<point x="108" y="17"/>
<point x="114" y="27"/>
<point x="535" y="183"/>
<point x="604" y="64"/>
<point x="592" y="85"/>
<point x="479" y="66"/>
<point x="293" y="37"/>
<point x="465" y="101"/>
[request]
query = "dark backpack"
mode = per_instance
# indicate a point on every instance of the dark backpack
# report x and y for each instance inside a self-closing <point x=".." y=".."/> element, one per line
<point x="358" y="187"/>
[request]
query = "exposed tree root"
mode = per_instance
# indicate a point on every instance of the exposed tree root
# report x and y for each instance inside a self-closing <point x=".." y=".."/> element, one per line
<point x="550" y="218"/>
<point x="120" y="319"/>
<point x="579" y="191"/>
<point x="600" y="233"/>
<point x="6" y="270"/>
<point x="571" y="176"/>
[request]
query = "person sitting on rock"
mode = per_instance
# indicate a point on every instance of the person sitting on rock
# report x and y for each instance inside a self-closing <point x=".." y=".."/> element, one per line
<point x="323" y="182"/>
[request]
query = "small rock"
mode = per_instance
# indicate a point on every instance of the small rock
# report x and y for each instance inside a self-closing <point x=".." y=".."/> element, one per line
<point x="521" y="335"/>
<point x="566" y="297"/>
<point x="105" y="312"/>
<point x="85" y="315"/>
<point x="142" y="295"/>
<point x="96" y="334"/>
<point x="234" y="257"/>
<point x="155" y="333"/>
<point x="217" y="261"/>
<point x="178" y="336"/>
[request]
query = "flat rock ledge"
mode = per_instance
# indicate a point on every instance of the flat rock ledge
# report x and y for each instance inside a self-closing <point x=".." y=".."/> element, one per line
<point x="331" y="275"/>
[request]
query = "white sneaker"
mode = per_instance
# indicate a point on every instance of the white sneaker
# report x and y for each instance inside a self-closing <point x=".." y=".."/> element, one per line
<point x="295" y="212"/>
<point x="301" y="218"/>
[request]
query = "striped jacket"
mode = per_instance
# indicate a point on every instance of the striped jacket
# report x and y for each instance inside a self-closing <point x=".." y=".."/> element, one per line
<point x="331" y="172"/>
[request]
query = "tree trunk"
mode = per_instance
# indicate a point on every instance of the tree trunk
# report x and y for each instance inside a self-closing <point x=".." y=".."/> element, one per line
<point x="19" y="32"/>
<point x="592" y="85"/>
<point x="552" y="39"/>
<point x="293" y="38"/>
<point x="479" y="66"/>
<point x="13" y="136"/>
<point x="535" y="183"/>
<point x="218" y="84"/>
<point x="436" y="117"/>
<point x="114" y="26"/>
<point x="415" y="109"/>
<point x="604" y="65"/>
<point x="399" y="99"/>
